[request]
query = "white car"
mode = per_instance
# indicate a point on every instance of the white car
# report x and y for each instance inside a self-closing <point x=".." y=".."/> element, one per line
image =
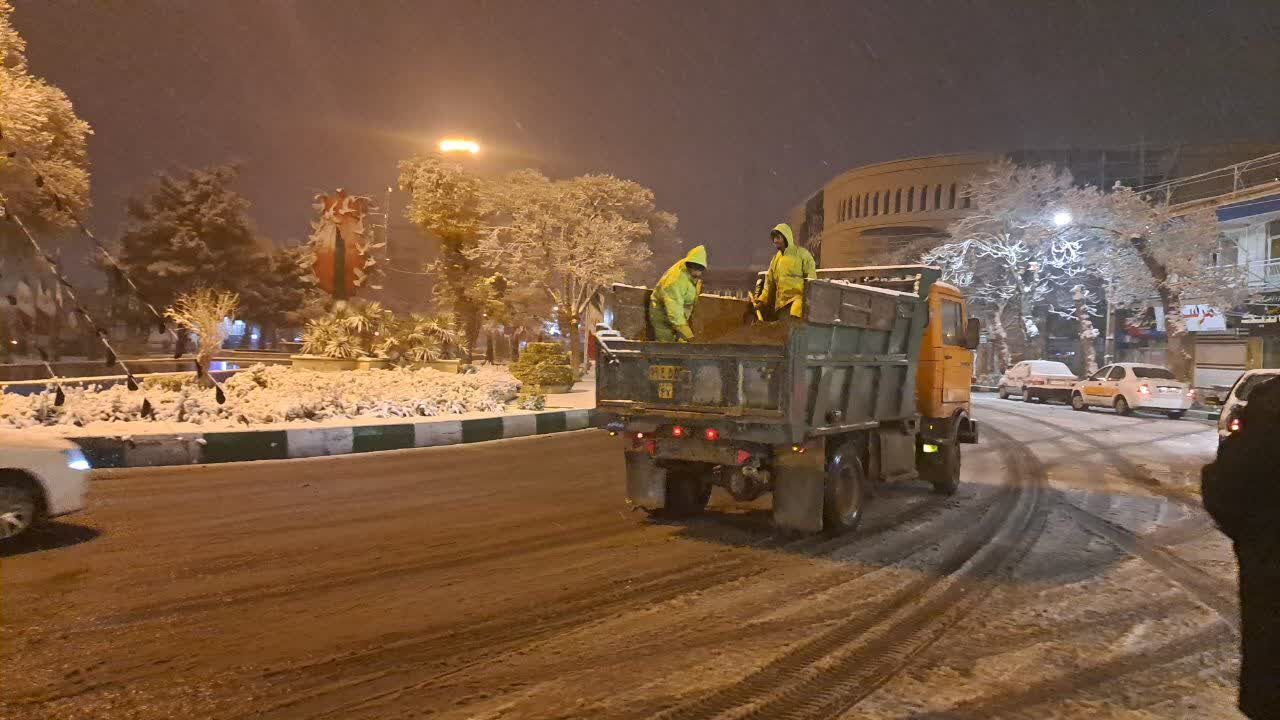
<point x="1126" y="387"/>
<point x="1038" y="380"/>
<point x="40" y="478"/>
<point x="1238" y="398"/>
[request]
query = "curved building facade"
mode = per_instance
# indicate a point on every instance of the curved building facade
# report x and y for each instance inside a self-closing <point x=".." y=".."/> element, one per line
<point x="863" y="213"/>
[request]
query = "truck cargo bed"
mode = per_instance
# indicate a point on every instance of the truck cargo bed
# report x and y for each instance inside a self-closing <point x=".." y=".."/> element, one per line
<point x="849" y="363"/>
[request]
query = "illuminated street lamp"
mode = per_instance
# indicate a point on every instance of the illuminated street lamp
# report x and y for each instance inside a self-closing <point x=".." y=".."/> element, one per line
<point x="457" y="145"/>
<point x="1062" y="218"/>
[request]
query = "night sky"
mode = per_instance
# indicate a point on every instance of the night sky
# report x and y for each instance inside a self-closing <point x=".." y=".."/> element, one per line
<point x="732" y="112"/>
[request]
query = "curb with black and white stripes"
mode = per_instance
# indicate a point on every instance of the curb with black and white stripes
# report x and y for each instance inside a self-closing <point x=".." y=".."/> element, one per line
<point x="248" y="445"/>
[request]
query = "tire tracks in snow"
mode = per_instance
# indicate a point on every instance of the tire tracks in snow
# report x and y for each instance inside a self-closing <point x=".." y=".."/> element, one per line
<point x="830" y="673"/>
<point x="1205" y="588"/>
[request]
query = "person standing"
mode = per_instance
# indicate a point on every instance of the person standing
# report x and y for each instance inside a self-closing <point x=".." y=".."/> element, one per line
<point x="784" y="282"/>
<point x="1241" y="491"/>
<point x="674" y="297"/>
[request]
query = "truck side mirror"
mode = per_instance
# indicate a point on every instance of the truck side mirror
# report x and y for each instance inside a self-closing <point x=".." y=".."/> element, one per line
<point x="973" y="334"/>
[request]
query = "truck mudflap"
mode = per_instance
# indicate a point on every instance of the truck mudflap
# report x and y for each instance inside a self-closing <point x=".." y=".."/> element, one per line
<point x="799" y="487"/>
<point x="968" y="432"/>
<point x="646" y="481"/>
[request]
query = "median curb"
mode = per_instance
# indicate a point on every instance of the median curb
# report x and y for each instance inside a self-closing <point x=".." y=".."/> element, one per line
<point x="248" y="445"/>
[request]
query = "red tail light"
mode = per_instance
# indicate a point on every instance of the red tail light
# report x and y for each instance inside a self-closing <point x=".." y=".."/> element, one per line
<point x="711" y="434"/>
<point x="1191" y="393"/>
<point x="742" y="457"/>
<point x="651" y="447"/>
<point x="1234" y="426"/>
<point x="677" y="431"/>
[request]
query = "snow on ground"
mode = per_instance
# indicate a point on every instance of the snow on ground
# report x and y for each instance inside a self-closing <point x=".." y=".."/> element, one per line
<point x="274" y="395"/>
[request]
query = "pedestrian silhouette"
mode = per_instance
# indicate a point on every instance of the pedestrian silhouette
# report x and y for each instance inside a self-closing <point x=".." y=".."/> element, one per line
<point x="1241" y="491"/>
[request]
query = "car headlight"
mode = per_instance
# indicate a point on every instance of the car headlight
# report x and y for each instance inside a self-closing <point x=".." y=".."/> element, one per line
<point x="76" y="460"/>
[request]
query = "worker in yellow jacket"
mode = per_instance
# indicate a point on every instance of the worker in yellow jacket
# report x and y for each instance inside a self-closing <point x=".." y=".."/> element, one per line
<point x="675" y="295"/>
<point x="790" y="267"/>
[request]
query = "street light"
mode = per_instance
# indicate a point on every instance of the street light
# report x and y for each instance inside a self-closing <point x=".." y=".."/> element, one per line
<point x="451" y="145"/>
<point x="1062" y="218"/>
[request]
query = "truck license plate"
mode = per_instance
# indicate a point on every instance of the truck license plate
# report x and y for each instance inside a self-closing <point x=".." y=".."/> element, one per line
<point x="663" y="372"/>
<point x="666" y="391"/>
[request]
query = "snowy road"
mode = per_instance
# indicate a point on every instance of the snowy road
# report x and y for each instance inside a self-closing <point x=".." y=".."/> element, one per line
<point x="1073" y="575"/>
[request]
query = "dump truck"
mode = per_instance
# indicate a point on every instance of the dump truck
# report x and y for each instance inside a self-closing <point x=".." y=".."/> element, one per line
<point x="871" y="384"/>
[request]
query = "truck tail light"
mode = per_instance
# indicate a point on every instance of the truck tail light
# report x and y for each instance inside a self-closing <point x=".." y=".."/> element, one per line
<point x="742" y="457"/>
<point x="639" y="436"/>
<point x="711" y="434"/>
<point x="677" y="431"/>
<point x="1144" y="389"/>
<point x="1234" y="426"/>
<point x="651" y="447"/>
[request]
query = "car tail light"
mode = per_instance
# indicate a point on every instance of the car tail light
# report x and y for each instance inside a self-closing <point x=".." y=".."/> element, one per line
<point x="639" y="436"/>
<point x="1191" y="393"/>
<point x="1035" y="381"/>
<point x="1234" y="425"/>
<point x="1144" y="389"/>
<point x="711" y="434"/>
<point x="651" y="447"/>
<point x="677" y="431"/>
<point x="742" y="457"/>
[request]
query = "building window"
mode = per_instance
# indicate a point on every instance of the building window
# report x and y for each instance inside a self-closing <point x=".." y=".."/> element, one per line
<point x="968" y="199"/>
<point x="924" y="198"/>
<point x="897" y="201"/>
<point x="887" y="196"/>
<point x="844" y="210"/>
<point x="937" y="197"/>
<point x="952" y="205"/>
<point x="857" y="204"/>
<point x="911" y="199"/>
<point x="875" y="204"/>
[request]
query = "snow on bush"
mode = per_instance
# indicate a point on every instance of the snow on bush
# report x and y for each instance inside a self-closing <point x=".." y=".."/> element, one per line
<point x="265" y="394"/>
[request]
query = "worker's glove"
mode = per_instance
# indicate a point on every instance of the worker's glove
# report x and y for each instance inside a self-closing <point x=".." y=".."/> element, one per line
<point x="684" y="332"/>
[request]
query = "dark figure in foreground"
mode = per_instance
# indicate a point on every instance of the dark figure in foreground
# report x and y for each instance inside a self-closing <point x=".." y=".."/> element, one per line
<point x="1241" y="490"/>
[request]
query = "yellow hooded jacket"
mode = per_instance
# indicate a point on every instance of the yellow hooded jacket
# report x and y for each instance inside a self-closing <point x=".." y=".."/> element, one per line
<point x="790" y="267"/>
<point x="674" y="297"/>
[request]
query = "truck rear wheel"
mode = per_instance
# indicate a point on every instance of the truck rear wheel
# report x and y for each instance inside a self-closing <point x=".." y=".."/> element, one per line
<point x="942" y="469"/>
<point x="687" y="492"/>
<point x="846" y="495"/>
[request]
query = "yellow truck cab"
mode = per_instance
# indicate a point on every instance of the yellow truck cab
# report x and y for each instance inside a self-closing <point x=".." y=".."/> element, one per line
<point x="944" y="374"/>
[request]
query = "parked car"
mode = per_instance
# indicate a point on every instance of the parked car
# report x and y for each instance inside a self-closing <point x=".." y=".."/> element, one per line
<point x="40" y="478"/>
<point x="1126" y="387"/>
<point x="1238" y="398"/>
<point x="1038" y="380"/>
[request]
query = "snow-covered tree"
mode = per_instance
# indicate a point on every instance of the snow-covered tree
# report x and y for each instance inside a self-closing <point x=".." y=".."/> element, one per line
<point x="282" y="292"/>
<point x="444" y="201"/>
<point x="1149" y="251"/>
<point x="204" y="313"/>
<point x="41" y="129"/>
<point x="1010" y="255"/>
<point x="190" y="231"/>
<point x="570" y="238"/>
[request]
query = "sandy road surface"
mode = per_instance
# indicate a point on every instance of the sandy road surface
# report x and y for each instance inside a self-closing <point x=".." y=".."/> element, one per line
<point x="1072" y="576"/>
